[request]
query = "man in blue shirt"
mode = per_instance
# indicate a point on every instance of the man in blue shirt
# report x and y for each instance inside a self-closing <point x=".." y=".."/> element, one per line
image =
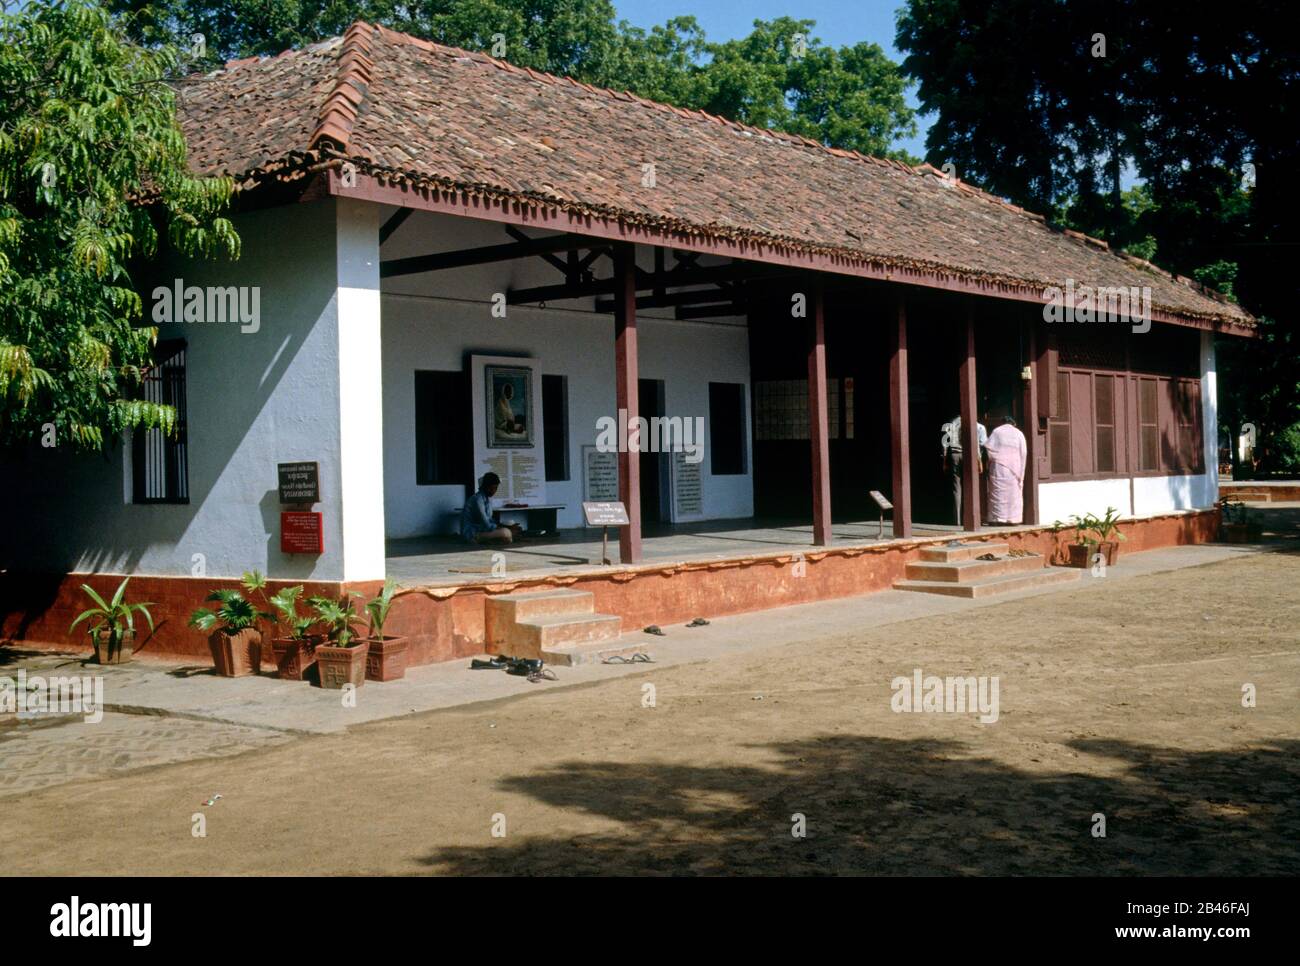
<point x="477" y="524"/>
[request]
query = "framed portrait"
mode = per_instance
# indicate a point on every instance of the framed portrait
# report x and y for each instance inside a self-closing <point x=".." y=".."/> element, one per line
<point x="509" y="406"/>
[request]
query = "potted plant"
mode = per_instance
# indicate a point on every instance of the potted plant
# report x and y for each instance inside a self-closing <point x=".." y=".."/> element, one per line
<point x="1233" y="521"/>
<point x="234" y="638"/>
<point x="1093" y="535"/>
<point x="293" y="654"/>
<point x="385" y="656"/>
<point x="341" y="656"/>
<point x="112" y="624"/>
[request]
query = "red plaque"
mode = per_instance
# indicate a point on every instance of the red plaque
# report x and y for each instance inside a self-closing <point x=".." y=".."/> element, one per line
<point x="301" y="532"/>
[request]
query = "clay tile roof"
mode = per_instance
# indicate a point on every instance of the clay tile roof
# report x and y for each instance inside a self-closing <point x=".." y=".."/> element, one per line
<point x="416" y="111"/>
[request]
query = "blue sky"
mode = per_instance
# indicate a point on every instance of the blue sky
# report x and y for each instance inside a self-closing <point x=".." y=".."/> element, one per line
<point x="839" y="23"/>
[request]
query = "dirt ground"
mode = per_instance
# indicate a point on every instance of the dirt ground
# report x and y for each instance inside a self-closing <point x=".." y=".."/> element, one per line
<point x="1126" y="703"/>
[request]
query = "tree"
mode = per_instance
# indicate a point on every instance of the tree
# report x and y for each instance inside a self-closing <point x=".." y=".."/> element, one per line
<point x="1050" y="104"/>
<point x="88" y="134"/>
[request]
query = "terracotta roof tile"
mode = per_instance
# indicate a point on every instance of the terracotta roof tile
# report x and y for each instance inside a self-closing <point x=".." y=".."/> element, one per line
<point x="415" y="111"/>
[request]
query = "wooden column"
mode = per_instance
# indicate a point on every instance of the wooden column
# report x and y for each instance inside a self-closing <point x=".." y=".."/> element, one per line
<point x="818" y="425"/>
<point x="1029" y="409"/>
<point x="970" y="472"/>
<point x="625" y="381"/>
<point x="899" y="443"/>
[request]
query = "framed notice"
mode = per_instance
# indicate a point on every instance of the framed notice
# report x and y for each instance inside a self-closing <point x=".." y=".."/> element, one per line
<point x="302" y="532"/>
<point x="299" y="482"/>
<point x="507" y="421"/>
<point x="599" y="475"/>
<point x="688" y="488"/>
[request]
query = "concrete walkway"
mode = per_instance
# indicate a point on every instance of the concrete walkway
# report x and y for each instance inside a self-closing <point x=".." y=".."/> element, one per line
<point x="286" y="708"/>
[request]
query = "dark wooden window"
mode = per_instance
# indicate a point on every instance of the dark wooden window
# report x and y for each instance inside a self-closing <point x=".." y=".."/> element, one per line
<point x="555" y="427"/>
<point x="727" y="428"/>
<point x="443" y="454"/>
<point x="1058" y="431"/>
<point x="160" y="462"/>
<point x="1104" y="394"/>
<point x="1148" y="392"/>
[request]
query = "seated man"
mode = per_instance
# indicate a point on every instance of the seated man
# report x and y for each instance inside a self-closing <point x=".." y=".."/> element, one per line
<point x="476" y="522"/>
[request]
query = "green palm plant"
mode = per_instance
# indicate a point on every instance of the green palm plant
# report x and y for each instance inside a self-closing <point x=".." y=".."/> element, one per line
<point x="114" y="619"/>
<point x="338" y="617"/>
<point x="378" y="609"/>
<point x="236" y="612"/>
<point x="286" y="605"/>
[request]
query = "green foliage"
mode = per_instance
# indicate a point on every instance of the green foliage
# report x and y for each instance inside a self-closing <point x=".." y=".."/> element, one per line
<point x="286" y="606"/>
<point x="236" y="612"/>
<point x="378" y="609"/>
<point x="87" y="130"/>
<point x="1092" y="530"/>
<point x="338" y="617"/>
<point x="113" y="618"/>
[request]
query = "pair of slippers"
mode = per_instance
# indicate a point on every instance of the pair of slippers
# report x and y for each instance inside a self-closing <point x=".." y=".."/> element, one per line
<point x="658" y="631"/>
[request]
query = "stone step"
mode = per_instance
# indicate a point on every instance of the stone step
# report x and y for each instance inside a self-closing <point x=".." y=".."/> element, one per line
<point x="503" y="611"/>
<point x="964" y="551"/>
<point x="994" y="585"/>
<point x="533" y="638"/>
<point x="966" y="571"/>
<point x="568" y="655"/>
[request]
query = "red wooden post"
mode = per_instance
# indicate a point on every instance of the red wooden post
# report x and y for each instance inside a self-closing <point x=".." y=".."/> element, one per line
<point x="970" y="467"/>
<point x="898" y="422"/>
<point x="1030" y="429"/>
<point x="625" y="380"/>
<point x="818" y="426"/>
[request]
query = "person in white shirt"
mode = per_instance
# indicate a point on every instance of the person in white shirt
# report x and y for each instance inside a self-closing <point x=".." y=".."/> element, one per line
<point x="952" y="459"/>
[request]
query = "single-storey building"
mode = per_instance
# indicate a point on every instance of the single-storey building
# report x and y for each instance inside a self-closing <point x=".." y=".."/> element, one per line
<point x="453" y="265"/>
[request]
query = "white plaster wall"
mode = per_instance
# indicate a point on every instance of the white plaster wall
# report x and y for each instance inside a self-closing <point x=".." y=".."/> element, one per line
<point x="436" y="334"/>
<point x="1210" y="417"/>
<point x="255" y="399"/>
<point x="1059" y="501"/>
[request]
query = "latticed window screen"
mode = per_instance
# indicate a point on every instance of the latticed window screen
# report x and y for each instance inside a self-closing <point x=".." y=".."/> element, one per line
<point x="781" y="409"/>
<point x="161" y="461"/>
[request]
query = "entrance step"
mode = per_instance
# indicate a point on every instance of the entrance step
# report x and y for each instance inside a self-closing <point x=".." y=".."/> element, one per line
<point x="573" y="654"/>
<point x="533" y="623"/>
<point x="993" y="586"/>
<point x="962" y="551"/>
<point x="968" y="571"/>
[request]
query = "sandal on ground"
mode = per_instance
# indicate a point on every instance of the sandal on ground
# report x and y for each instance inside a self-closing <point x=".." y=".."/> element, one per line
<point x="698" y="622"/>
<point x="640" y="657"/>
<point x="492" y="664"/>
<point x="986" y="556"/>
<point x="655" y="629"/>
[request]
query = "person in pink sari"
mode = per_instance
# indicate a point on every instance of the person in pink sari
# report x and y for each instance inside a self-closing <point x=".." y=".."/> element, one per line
<point x="1006" y="473"/>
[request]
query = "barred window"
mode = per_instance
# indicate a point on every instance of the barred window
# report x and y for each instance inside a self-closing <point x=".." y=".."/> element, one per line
<point x="161" y="461"/>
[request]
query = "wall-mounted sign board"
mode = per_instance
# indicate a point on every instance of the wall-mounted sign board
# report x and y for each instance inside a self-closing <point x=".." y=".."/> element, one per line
<point x="302" y="532"/>
<point x="299" y="482"/>
<point x="605" y="514"/>
<point x="600" y="475"/>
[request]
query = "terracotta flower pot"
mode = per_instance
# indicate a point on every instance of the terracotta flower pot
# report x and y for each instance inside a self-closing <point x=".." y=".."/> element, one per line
<point x="1081" y="554"/>
<point x="386" y="659"/>
<point x="293" y="656"/>
<point x="124" y="652"/>
<point x="339" y="666"/>
<point x="237" y="654"/>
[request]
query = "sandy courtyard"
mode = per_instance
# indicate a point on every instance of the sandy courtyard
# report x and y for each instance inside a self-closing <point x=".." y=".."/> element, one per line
<point x="1125" y="702"/>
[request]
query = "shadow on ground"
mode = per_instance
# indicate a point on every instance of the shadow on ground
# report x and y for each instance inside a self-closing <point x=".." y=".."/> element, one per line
<point x="884" y="806"/>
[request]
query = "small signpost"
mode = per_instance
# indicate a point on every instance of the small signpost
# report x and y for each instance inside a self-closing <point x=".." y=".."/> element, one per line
<point x="605" y="515"/>
<point x="301" y="530"/>
<point x="884" y="505"/>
